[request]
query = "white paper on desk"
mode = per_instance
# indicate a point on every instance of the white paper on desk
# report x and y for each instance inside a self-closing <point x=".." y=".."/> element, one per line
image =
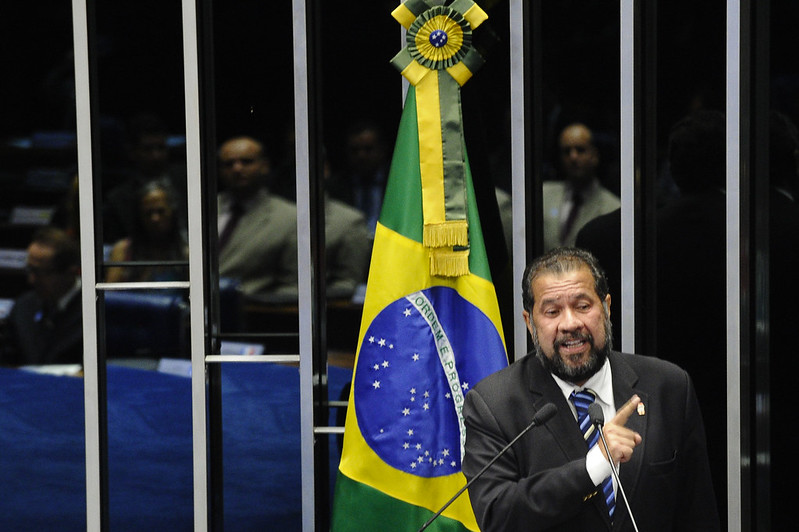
<point x="31" y="215"/>
<point x="5" y="307"/>
<point x="69" y="370"/>
<point x="13" y="259"/>
<point x="240" y="348"/>
<point x="175" y="366"/>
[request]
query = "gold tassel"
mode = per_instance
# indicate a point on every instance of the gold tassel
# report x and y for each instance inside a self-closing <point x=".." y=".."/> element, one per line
<point x="449" y="263"/>
<point x="451" y="233"/>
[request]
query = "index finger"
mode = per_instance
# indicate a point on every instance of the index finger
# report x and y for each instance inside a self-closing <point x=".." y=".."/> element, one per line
<point x="624" y="413"/>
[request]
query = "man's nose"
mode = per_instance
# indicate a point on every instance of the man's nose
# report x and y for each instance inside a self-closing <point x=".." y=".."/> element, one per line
<point x="570" y="321"/>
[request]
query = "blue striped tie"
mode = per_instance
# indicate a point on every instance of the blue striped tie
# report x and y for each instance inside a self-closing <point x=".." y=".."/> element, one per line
<point x="582" y="400"/>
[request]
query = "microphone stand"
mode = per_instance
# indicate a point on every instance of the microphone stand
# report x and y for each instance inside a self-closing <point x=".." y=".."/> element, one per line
<point x="541" y="417"/>
<point x="615" y="473"/>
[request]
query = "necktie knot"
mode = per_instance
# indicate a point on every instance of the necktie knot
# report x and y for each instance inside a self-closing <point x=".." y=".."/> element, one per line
<point x="582" y="400"/>
<point x="236" y="208"/>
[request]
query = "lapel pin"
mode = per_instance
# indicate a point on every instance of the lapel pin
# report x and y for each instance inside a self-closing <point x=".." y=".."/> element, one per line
<point x="641" y="409"/>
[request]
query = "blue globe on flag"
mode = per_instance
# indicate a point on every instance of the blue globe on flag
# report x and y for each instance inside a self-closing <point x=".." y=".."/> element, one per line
<point x="419" y="357"/>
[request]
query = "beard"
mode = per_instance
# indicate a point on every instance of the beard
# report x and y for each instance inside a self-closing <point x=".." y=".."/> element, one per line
<point x="579" y="373"/>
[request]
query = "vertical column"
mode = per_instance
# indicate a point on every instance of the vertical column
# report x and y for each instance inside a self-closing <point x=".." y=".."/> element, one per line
<point x="196" y="296"/>
<point x="520" y="192"/>
<point x="734" y="278"/>
<point x="93" y="381"/>
<point x="303" y="159"/>
<point x="627" y="169"/>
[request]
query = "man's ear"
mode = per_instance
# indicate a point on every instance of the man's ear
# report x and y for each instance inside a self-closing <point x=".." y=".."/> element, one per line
<point x="528" y="321"/>
<point x="606" y="303"/>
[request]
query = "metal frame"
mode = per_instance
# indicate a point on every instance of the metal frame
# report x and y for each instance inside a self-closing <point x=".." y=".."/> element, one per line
<point x="738" y="268"/>
<point x="734" y="278"/>
<point x="627" y="168"/>
<point x="518" y="92"/>
<point x="94" y="373"/>
<point x="191" y="78"/>
<point x="303" y="172"/>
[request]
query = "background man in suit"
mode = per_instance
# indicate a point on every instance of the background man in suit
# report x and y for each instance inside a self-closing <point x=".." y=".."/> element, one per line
<point x="44" y="326"/>
<point x="551" y="479"/>
<point x="257" y="229"/>
<point x="569" y="204"/>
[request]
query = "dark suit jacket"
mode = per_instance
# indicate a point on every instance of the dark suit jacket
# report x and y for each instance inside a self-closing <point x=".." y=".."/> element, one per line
<point x="542" y="484"/>
<point x="34" y="339"/>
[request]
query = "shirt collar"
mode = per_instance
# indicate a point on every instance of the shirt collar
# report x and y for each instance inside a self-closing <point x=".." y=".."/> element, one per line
<point x="589" y="190"/>
<point x="66" y="298"/>
<point x="228" y="200"/>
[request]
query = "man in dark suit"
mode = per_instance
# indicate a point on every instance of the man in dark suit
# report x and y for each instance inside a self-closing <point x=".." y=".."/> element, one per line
<point x="551" y="479"/>
<point x="44" y="326"/>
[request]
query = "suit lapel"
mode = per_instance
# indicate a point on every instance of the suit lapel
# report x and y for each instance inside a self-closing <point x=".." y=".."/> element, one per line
<point x="563" y="427"/>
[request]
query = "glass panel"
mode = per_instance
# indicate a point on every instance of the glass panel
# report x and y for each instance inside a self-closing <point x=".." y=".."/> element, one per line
<point x="361" y="106"/>
<point x="783" y="245"/>
<point x="142" y="138"/>
<point x="43" y="455"/>
<point x="257" y="214"/>
<point x="581" y="127"/>
<point x="261" y="446"/>
<point x="692" y="208"/>
<point x="149" y="422"/>
<point x="581" y="73"/>
<point x="142" y="226"/>
<point x="257" y="263"/>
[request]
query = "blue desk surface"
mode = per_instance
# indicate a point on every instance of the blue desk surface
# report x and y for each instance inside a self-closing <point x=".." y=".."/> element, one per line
<point x="42" y="451"/>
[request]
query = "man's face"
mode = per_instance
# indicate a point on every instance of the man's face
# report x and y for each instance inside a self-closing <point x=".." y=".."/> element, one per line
<point x="365" y="152"/>
<point x="569" y="325"/>
<point x="49" y="283"/>
<point x="156" y="213"/>
<point x="242" y="165"/>
<point x="151" y="154"/>
<point x="578" y="155"/>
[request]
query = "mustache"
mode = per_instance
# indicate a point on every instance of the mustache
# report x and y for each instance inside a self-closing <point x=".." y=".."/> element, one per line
<point x="570" y="337"/>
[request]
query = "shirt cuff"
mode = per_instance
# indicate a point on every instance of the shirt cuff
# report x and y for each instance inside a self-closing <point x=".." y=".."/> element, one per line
<point x="597" y="466"/>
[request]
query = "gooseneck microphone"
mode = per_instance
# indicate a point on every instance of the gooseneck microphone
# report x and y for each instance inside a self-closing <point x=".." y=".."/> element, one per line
<point x="598" y="419"/>
<point x="543" y="415"/>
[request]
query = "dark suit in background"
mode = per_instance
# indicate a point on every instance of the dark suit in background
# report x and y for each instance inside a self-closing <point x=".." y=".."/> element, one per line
<point x="35" y="338"/>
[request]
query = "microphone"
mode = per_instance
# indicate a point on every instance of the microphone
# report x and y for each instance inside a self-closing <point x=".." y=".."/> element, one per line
<point x="598" y="419"/>
<point x="543" y="415"/>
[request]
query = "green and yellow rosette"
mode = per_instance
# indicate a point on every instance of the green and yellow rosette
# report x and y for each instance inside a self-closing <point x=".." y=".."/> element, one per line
<point x="437" y="61"/>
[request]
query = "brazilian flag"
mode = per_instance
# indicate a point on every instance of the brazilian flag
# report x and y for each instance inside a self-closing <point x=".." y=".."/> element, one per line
<point x="425" y="340"/>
